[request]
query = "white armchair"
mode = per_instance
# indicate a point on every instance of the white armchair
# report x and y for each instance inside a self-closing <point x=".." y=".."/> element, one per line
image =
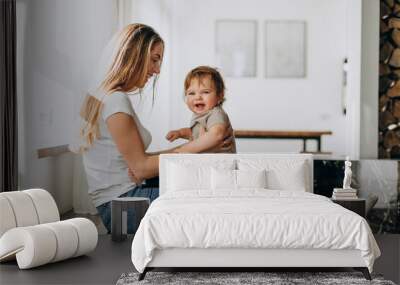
<point x="31" y="230"/>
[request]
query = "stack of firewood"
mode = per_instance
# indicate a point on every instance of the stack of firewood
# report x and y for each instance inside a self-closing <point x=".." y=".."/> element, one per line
<point x="389" y="80"/>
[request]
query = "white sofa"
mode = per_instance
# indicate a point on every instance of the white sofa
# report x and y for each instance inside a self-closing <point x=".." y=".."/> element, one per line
<point x="31" y="231"/>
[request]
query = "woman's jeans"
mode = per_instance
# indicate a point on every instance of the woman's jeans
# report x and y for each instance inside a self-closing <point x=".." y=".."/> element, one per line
<point x="139" y="191"/>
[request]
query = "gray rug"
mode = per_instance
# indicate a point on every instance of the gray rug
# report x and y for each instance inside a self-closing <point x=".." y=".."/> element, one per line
<point x="230" y="278"/>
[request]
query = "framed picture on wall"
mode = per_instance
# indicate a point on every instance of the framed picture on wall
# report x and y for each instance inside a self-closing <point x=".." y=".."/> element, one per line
<point x="285" y="49"/>
<point x="236" y="47"/>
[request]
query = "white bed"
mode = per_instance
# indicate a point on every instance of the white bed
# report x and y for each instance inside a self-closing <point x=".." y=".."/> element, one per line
<point x="202" y="220"/>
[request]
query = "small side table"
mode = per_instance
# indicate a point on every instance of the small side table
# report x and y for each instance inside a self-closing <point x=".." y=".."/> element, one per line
<point x="355" y="205"/>
<point x="119" y="214"/>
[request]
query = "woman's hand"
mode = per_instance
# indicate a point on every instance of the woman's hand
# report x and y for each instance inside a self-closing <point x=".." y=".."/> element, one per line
<point x="202" y="131"/>
<point x="227" y="144"/>
<point x="134" y="178"/>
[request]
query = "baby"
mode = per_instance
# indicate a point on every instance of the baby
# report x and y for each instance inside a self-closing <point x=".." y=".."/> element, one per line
<point x="204" y="95"/>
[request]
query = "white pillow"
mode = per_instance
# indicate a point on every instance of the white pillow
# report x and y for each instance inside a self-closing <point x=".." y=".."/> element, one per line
<point x="186" y="175"/>
<point x="251" y="178"/>
<point x="282" y="174"/>
<point x="237" y="179"/>
<point x="223" y="179"/>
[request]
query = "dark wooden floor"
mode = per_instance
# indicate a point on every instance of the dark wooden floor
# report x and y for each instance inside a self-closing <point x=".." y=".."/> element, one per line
<point x="111" y="259"/>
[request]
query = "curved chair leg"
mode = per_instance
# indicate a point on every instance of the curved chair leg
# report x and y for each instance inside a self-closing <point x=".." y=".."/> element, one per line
<point x="364" y="271"/>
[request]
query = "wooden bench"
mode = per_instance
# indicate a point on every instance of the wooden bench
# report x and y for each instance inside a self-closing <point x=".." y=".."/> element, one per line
<point x="303" y="135"/>
<point x="52" y="151"/>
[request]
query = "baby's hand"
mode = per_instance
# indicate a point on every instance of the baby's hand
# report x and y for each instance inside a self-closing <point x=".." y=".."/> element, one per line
<point x="173" y="135"/>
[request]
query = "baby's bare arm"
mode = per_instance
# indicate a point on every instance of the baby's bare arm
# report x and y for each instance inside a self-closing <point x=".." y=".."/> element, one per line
<point x="209" y="140"/>
<point x="184" y="133"/>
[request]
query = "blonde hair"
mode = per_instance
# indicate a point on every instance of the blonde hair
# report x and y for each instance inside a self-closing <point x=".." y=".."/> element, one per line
<point x="202" y="71"/>
<point x="127" y="71"/>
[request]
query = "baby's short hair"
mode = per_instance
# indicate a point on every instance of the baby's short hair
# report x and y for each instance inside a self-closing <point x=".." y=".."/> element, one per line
<point x="202" y="71"/>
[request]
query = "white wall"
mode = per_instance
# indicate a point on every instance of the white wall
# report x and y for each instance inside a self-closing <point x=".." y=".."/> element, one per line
<point x="369" y="80"/>
<point x="353" y="98"/>
<point x="335" y="30"/>
<point x="362" y="91"/>
<point x="311" y="103"/>
<point x="58" y="45"/>
<point x="157" y="14"/>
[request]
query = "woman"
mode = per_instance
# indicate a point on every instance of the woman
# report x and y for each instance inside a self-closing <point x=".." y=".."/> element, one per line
<point x="115" y="139"/>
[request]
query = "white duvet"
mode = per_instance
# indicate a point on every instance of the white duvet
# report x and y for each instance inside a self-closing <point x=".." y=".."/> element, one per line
<point x="250" y="219"/>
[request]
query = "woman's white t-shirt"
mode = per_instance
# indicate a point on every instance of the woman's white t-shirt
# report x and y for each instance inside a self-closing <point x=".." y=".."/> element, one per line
<point x="106" y="169"/>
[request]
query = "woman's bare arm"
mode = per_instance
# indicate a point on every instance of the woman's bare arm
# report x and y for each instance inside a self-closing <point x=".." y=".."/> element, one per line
<point x="184" y="133"/>
<point x="126" y="136"/>
<point x="171" y="150"/>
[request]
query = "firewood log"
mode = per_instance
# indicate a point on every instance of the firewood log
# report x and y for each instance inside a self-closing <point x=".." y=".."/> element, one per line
<point x="395" y="72"/>
<point x="396" y="36"/>
<point x="383" y="100"/>
<point x="395" y="152"/>
<point x="394" y="23"/>
<point x="385" y="83"/>
<point x="395" y="9"/>
<point x="390" y="3"/>
<point x="385" y="10"/>
<point x="395" y="58"/>
<point x="385" y="52"/>
<point x="396" y="109"/>
<point x="383" y="27"/>
<point x="383" y="153"/>
<point x="385" y="119"/>
<point x="394" y="92"/>
<point x="384" y="69"/>
<point x="391" y="139"/>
